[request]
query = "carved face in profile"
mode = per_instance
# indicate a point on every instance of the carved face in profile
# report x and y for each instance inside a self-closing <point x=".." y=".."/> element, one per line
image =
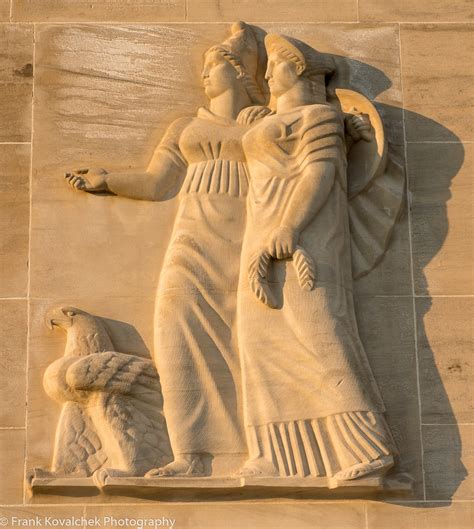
<point x="281" y="73"/>
<point x="218" y="75"/>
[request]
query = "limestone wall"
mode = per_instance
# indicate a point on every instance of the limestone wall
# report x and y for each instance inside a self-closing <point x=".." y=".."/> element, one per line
<point x="96" y="83"/>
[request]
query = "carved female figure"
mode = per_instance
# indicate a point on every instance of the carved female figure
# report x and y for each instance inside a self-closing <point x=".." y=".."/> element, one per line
<point x="201" y="159"/>
<point x="311" y="404"/>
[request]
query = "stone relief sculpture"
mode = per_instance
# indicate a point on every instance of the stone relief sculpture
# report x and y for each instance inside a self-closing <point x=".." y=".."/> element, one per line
<point x="256" y="341"/>
<point x="201" y="158"/>
<point x="111" y="421"/>
<point x="311" y="404"/>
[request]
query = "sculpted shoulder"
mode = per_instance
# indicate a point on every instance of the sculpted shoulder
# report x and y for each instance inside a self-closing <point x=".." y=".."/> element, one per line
<point x="252" y="114"/>
<point x="174" y="131"/>
<point x="178" y="125"/>
<point x="321" y="112"/>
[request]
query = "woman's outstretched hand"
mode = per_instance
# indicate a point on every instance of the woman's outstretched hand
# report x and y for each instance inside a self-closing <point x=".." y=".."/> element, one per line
<point x="90" y="180"/>
<point x="282" y="243"/>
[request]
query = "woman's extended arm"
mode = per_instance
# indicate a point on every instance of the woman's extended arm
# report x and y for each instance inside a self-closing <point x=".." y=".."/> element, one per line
<point x="160" y="181"/>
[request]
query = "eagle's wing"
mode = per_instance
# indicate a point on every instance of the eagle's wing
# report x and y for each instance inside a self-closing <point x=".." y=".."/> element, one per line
<point x="375" y="187"/>
<point x="114" y="372"/>
<point x="140" y="429"/>
<point x="77" y="448"/>
<point x="132" y="403"/>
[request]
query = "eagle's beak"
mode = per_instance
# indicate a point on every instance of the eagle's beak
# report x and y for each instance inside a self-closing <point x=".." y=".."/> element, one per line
<point x="55" y="317"/>
<point x="50" y="320"/>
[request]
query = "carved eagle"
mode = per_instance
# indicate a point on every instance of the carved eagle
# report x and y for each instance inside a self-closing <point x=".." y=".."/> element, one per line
<point x="111" y="422"/>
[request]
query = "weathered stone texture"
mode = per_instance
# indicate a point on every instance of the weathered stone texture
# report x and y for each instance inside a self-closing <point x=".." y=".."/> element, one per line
<point x="304" y="515"/>
<point x="386" y="330"/>
<point x="415" y="11"/>
<point x="457" y="515"/>
<point x="14" y="219"/>
<point x="442" y="193"/>
<point x="12" y="455"/>
<point x="445" y="346"/>
<point x="272" y="10"/>
<point x="98" y="10"/>
<point x="13" y="330"/>
<point x="449" y="461"/>
<point x="16" y="81"/>
<point x="4" y="10"/>
<point x="437" y="81"/>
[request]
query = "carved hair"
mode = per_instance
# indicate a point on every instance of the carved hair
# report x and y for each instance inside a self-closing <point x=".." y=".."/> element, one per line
<point x="310" y="63"/>
<point x="288" y="54"/>
<point x="253" y="91"/>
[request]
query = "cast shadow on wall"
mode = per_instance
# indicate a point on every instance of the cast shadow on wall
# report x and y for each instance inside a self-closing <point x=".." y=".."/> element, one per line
<point x="126" y="338"/>
<point x="440" y="468"/>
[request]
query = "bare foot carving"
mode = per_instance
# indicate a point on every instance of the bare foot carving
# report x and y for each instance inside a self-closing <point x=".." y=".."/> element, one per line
<point x="260" y="467"/>
<point x="380" y="466"/>
<point x="184" y="465"/>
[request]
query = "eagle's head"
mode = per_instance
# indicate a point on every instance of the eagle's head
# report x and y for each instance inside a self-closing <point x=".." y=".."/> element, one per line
<point x="66" y="317"/>
<point x="86" y="333"/>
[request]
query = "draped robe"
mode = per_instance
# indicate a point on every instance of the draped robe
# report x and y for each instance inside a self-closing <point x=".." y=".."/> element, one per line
<point x="311" y="404"/>
<point x="195" y="352"/>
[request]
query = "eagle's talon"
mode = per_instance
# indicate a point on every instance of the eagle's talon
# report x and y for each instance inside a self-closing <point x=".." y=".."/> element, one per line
<point x="37" y="473"/>
<point x="99" y="477"/>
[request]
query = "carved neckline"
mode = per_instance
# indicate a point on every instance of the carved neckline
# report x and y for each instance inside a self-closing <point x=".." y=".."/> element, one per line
<point x="205" y="113"/>
<point x="300" y="107"/>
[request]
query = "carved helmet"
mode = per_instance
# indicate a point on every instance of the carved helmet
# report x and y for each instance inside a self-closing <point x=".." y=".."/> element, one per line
<point x="309" y="62"/>
<point x="245" y="50"/>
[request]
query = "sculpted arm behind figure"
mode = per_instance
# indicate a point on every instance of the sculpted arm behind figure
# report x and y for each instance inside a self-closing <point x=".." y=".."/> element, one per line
<point x="307" y="199"/>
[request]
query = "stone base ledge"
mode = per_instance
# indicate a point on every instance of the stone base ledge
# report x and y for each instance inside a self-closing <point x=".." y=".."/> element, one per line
<point x="227" y="488"/>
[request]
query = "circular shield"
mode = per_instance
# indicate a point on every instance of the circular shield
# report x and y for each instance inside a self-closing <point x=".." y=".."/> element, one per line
<point x="365" y="159"/>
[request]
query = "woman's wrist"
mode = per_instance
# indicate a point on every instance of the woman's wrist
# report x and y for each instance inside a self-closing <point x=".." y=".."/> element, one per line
<point x="290" y="230"/>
